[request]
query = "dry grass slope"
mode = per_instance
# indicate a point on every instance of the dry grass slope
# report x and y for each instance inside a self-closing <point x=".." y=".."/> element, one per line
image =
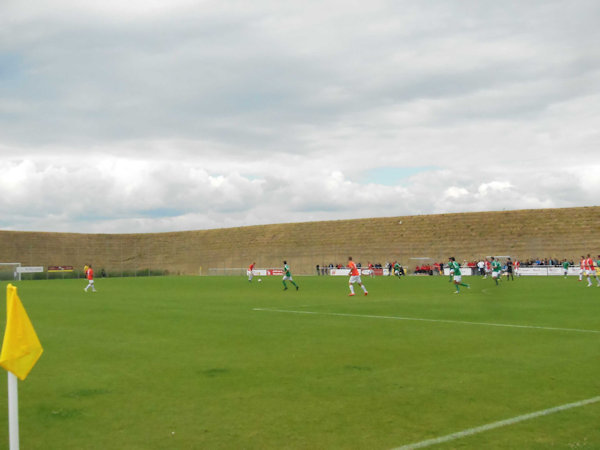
<point x="566" y="232"/>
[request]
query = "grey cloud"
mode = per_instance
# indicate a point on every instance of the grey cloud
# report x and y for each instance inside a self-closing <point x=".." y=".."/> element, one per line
<point x="220" y="115"/>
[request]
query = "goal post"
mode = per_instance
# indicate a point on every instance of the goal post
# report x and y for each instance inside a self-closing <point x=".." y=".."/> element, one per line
<point x="9" y="272"/>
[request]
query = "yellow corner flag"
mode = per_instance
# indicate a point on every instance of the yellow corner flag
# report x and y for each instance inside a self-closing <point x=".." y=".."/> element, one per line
<point x="21" y="347"/>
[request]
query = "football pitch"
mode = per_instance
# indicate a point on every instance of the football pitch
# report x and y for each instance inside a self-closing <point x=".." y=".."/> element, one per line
<point x="221" y="363"/>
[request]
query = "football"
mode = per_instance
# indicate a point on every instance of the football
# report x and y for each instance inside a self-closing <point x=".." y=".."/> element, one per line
<point x="259" y="280"/>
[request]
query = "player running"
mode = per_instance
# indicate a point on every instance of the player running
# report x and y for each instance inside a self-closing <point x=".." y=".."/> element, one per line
<point x="496" y="268"/>
<point x="354" y="278"/>
<point x="457" y="277"/>
<point x="287" y="276"/>
<point x="397" y="269"/>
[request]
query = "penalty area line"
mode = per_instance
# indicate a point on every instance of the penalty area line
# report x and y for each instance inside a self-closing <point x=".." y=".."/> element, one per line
<point x="370" y="316"/>
<point x="499" y="424"/>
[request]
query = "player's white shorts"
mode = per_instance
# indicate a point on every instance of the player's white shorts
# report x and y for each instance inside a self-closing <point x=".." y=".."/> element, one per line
<point x="355" y="279"/>
<point x="590" y="272"/>
<point x="286" y="278"/>
<point x="495" y="274"/>
<point x="457" y="278"/>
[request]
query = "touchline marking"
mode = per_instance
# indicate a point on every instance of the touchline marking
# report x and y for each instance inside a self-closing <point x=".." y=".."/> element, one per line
<point x="369" y="316"/>
<point x="501" y="423"/>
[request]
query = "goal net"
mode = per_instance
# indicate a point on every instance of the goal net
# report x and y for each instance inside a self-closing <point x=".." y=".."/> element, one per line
<point x="9" y="272"/>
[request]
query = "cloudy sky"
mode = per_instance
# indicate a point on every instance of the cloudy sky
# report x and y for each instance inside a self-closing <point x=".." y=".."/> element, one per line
<point x="168" y="115"/>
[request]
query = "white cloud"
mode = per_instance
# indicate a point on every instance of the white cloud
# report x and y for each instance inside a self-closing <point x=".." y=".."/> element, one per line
<point x="493" y="187"/>
<point x="159" y="116"/>
<point x="454" y="192"/>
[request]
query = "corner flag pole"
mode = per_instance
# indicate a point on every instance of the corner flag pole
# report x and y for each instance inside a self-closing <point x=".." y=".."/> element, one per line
<point x="21" y="349"/>
<point x="13" y="412"/>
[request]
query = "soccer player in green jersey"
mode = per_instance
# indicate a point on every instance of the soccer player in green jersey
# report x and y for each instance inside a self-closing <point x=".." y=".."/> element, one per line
<point x="397" y="269"/>
<point x="455" y="269"/>
<point x="565" y="265"/>
<point x="287" y="276"/>
<point x="496" y="268"/>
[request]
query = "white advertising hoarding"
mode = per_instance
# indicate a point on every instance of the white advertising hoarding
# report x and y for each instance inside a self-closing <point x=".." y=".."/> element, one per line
<point x="30" y="269"/>
<point x="463" y="271"/>
<point x="339" y="272"/>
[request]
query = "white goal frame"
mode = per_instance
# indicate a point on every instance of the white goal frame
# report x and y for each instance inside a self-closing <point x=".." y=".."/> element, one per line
<point x="16" y="273"/>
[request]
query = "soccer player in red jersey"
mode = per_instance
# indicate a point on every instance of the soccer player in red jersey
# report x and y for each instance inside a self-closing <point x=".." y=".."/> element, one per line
<point x="90" y="276"/>
<point x="355" y="277"/>
<point x="590" y="271"/>
<point x="371" y="270"/>
<point x="250" y="272"/>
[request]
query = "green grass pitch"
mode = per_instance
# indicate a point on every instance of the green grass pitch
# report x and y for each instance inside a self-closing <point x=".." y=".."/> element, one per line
<point x="221" y="363"/>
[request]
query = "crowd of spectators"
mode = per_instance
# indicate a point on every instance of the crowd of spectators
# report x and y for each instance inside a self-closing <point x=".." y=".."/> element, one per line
<point x="546" y="262"/>
<point x="529" y="262"/>
<point x="424" y="269"/>
<point x="438" y="267"/>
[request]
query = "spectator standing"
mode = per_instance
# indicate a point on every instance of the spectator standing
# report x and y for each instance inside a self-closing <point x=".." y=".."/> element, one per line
<point x="481" y="267"/>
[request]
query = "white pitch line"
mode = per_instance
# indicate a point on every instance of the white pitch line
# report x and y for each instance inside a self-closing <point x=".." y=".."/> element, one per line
<point x="369" y="316"/>
<point x="493" y="425"/>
